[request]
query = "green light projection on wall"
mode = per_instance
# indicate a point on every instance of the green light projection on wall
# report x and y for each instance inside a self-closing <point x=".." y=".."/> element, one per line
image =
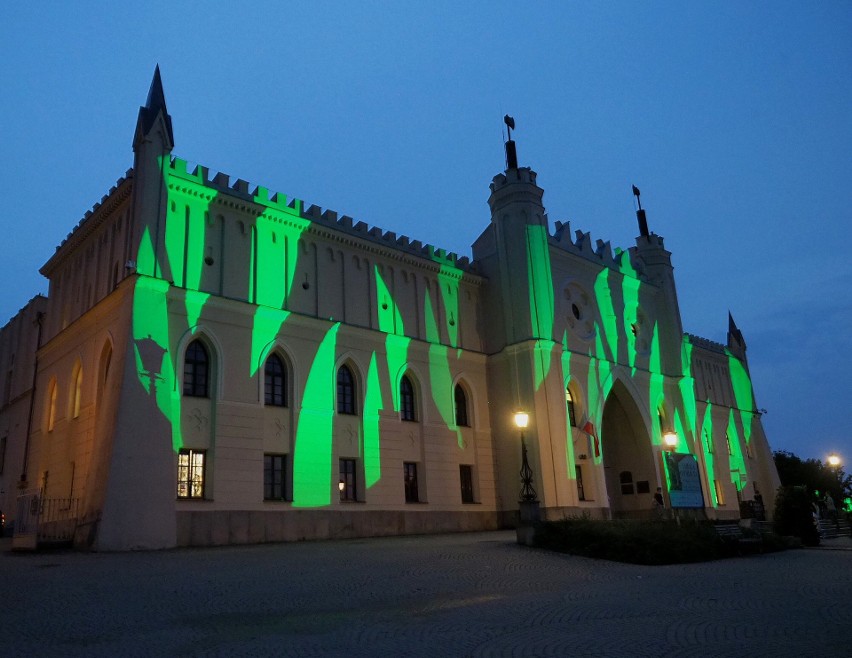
<point x="540" y="282"/>
<point x="736" y="460"/>
<point x="630" y="285"/>
<point x="372" y="409"/>
<point x="743" y="393"/>
<point x="706" y="444"/>
<point x="312" y="476"/>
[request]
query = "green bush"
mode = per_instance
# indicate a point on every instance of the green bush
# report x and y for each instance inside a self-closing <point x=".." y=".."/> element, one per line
<point x="794" y="515"/>
<point x="642" y="542"/>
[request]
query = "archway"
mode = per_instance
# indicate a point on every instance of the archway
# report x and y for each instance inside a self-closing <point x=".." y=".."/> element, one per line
<point x="629" y="466"/>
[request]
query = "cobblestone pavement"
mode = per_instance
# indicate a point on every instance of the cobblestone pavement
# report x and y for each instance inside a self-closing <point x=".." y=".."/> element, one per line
<point x="448" y="595"/>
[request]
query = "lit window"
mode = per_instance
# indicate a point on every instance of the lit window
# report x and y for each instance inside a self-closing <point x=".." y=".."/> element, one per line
<point x="406" y="399"/>
<point x="273" y="476"/>
<point x="347" y="480"/>
<point x="196" y="368"/>
<point x="51" y="408"/>
<point x="190" y="474"/>
<point x="466" y="476"/>
<point x="720" y="495"/>
<point x="410" y="474"/>
<point x="275" y="382"/>
<point x="569" y="403"/>
<point x="345" y="391"/>
<point x="77" y="389"/>
<point x="461" y="406"/>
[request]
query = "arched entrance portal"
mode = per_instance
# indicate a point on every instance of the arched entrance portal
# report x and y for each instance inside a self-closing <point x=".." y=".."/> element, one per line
<point x="629" y="466"/>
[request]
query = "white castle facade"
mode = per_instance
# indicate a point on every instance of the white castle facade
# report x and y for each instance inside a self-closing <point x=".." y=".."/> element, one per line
<point x="218" y="364"/>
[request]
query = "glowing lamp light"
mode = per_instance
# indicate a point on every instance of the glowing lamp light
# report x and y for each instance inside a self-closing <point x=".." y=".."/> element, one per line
<point x="670" y="440"/>
<point x="833" y="461"/>
<point x="522" y="419"/>
<point x="341" y="486"/>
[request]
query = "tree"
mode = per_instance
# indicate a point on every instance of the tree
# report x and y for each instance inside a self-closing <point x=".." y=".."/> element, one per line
<point x="817" y="478"/>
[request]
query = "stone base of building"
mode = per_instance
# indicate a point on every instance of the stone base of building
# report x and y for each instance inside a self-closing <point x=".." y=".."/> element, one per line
<point x="256" y="527"/>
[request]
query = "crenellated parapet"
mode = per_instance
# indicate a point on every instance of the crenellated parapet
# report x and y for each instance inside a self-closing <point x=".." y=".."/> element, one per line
<point x="261" y="197"/>
<point x="93" y="217"/>
<point x="601" y="253"/>
<point x="705" y="344"/>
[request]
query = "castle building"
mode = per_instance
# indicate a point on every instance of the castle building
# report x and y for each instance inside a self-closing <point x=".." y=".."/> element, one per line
<point x="215" y="363"/>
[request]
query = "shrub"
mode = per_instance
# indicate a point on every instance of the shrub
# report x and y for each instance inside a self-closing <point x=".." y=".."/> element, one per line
<point x="794" y="515"/>
<point x="638" y="542"/>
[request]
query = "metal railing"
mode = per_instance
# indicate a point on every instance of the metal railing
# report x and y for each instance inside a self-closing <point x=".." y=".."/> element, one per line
<point x="47" y="520"/>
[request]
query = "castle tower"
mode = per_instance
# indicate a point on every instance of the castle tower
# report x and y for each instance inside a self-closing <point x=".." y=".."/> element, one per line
<point x="515" y="255"/>
<point x="140" y="488"/>
<point x="153" y="142"/>
<point x="658" y="268"/>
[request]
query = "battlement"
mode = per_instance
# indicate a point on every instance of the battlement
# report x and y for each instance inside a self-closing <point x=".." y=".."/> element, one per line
<point x="706" y="344"/>
<point x="520" y="175"/>
<point x="95" y="208"/>
<point x="624" y="261"/>
<point x="325" y="218"/>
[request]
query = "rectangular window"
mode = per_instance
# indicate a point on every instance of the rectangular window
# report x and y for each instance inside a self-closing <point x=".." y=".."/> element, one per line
<point x="643" y="486"/>
<point x="410" y="474"/>
<point x="190" y="474"/>
<point x="626" y="479"/>
<point x="347" y="480"/>
<point x="581" y="491"/>
<point x="273" y="476"/>
<point x="720" y="495"/>
<point x="466" y="475"/>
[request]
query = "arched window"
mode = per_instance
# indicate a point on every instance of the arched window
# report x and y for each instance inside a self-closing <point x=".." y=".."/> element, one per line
<point x="196" y="370"/>
<point x="407" y="406"/>
<point x="345" y="391"/>
<point x="460" y="400"/>
<point x="275" y="382"/>
<point x="569" y="403"/>
<point x="51" y="406"/>
<point x="76" y="391"/>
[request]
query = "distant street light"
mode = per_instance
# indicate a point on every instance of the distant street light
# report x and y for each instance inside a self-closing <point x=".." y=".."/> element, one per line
<point x="670" y="440"/>
<point x="834" y="461"/>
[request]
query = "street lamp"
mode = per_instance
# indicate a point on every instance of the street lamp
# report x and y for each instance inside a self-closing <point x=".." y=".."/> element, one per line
<point x="834" y="461"/>
<point x="528" y="494"/>
<point x="670" y="440"/>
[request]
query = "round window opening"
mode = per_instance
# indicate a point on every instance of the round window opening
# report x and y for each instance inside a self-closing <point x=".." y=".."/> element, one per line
<point x="575" y="310"/>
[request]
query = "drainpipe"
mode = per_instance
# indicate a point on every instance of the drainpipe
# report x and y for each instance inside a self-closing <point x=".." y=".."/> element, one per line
<point x="23" y="483"/>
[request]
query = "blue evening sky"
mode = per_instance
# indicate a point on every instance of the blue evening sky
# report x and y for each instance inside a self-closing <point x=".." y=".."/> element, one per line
<point x="734" y="119"/>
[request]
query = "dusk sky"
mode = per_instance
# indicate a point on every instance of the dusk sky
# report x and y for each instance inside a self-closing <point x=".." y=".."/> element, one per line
<point x="734" y="119"/>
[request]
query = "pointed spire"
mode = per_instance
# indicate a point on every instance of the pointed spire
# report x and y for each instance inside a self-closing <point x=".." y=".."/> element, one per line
<point x="156" y="97"/>
<point x="154" y="106"/>
<point x="735" y="336"/>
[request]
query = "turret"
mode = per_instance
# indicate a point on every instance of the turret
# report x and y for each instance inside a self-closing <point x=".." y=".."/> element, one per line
<point x="658" y="268"/>
<point x="736" y="342"/>
<point x="153" y="141"/>
<point x="520" y="230"/>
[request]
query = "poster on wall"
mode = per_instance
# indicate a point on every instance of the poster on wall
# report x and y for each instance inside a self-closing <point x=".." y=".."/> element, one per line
<point x="684" y="481"/>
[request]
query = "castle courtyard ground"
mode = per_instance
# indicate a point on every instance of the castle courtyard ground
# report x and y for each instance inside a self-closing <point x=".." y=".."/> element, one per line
<point x="446" y="595"/>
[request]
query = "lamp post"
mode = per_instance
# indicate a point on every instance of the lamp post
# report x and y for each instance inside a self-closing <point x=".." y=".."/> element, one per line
<point x="528" y="505"/>
<point x="528" y="494"/>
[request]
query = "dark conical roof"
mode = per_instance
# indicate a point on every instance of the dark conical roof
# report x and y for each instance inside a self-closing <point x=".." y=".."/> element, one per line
<point x="156" y="97"/>
<point x="155" y="103"/>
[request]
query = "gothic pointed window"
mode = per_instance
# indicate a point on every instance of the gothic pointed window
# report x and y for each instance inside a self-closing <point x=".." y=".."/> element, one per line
<point x="345" y="391"/>
<point x="275" y="382"/>
<point x="407" y="407"/>
<point x="569" y="403"/>
<point x="196" y="370"/>
<point x="460" y="399"/>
